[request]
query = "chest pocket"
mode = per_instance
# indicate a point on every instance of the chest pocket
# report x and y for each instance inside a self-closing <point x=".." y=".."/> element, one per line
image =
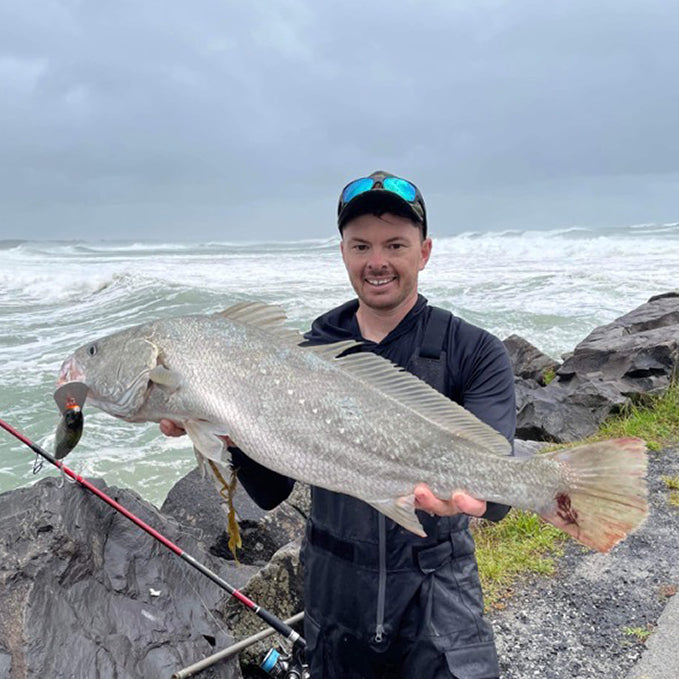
<point x="430" y="362"/>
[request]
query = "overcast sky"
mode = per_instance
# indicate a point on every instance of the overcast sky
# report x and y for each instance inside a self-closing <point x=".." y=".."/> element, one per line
<point x="169" y="119"/>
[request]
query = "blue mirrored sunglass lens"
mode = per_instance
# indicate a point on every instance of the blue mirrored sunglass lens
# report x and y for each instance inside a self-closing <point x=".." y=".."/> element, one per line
<point x="400" y="187"/>
<point x="356" y="187"/>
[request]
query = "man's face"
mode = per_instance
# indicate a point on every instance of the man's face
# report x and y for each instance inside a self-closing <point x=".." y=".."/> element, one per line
<point x="383" y="256"/>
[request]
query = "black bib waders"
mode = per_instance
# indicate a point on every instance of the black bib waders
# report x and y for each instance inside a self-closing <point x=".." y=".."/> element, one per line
<point x="383" y="603"/>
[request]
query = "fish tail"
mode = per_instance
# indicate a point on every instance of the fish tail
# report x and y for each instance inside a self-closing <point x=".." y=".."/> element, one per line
<point x="606" y="495"/>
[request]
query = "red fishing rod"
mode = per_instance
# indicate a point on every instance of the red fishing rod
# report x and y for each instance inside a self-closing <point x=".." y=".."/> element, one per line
<point x="276" y="623"/>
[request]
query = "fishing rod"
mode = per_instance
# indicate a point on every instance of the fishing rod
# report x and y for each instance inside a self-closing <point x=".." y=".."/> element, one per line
<point x="289" y="634"/>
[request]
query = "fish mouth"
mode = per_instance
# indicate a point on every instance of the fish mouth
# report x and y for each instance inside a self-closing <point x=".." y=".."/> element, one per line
<point x="70" y="372"/>
<point x="71" y="389"/>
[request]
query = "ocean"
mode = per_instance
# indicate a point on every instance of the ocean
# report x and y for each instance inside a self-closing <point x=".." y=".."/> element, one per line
<point x="550" y="287"/>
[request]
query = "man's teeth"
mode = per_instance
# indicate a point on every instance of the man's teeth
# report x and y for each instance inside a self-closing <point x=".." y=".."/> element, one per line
<point x="379" y="281"/>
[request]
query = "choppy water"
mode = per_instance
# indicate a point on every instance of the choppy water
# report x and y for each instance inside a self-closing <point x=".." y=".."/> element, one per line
<point x="551" y="287"/>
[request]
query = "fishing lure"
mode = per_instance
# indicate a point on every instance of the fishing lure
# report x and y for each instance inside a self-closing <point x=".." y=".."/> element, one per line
<point x="70" y="398"/>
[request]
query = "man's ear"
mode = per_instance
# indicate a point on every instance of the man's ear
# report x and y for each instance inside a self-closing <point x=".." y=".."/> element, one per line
<point x="425" y="252"/>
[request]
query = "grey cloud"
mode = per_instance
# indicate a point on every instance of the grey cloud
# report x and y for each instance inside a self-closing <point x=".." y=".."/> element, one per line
<point x="149" y="117"/>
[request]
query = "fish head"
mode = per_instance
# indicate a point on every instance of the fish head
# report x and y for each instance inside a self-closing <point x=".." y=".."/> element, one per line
<point x="115" y="370"/>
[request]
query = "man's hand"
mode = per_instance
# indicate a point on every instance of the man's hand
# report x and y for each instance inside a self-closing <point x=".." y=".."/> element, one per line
<point x="459" y="503"/>
<point x="170" y="428"/>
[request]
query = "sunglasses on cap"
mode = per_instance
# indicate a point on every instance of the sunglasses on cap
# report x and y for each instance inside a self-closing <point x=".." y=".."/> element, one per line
<point x="401" y="187"/>
<point x="366" y="192"/>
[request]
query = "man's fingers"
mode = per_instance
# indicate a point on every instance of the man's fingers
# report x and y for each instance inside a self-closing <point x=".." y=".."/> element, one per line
<point x="426" y="500"/>
<point x="459" y="503"/>
<point x="469" y="505"/>
<point x="170" y="428"/>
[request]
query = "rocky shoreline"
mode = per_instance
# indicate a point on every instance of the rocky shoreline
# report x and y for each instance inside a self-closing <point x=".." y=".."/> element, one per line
<point x="83" y="592"/>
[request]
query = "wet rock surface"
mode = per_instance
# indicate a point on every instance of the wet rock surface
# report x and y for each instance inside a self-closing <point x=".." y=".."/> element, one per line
<point x="528" y="362"/>
<point x="280" y="585"/>
<point x="85" y="593"/>
<point x="614" y="365"/>
<point x="194" y="502"/>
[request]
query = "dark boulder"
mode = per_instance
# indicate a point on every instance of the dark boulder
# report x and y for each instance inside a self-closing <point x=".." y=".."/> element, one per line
<point x="86" y="593"/>
<point x="528" y="362"/>
<point x="614" y="365"/>
<point x="567" y="411"/>
<point x="269" y="573"/>
<point x="636" y="353"/>
<point x="279" y="586"/>
<point x="194" y="502"/>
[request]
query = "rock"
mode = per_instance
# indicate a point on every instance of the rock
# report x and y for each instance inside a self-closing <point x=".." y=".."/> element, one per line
<point x="637" y="352"/>
<point x="84" y="592"/>
<point x="523" y="390"/>
<point x="524" y="448"/>
<point x="614" y="365"/>
<point x="269" y="571"/>
<point x="281" y="585"/>
<point x="528" y="362"/>
<point x="194" y="501"/>
<point x="567" y="411"/>
<point x="300" y="499"/>
<point x="261" y="539"/>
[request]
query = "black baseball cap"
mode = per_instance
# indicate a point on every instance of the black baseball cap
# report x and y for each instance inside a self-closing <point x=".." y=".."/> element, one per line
<point x="380" y="192"/>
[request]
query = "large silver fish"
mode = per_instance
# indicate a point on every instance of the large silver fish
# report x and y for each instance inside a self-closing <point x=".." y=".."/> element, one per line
<point x="356" y="424"/>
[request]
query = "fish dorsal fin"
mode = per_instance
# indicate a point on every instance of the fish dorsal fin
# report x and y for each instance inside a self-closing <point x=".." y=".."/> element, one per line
<point x="254" y="313"/>
<point x="417" y="395"/>
<point x="333" y="350"/>
<point x="268" y="317"/>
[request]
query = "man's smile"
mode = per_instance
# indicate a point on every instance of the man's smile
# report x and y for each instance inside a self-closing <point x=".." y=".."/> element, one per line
<point x="380" y="281"/>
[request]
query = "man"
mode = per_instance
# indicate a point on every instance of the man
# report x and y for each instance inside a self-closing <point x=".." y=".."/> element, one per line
<point x="381" y="602"/>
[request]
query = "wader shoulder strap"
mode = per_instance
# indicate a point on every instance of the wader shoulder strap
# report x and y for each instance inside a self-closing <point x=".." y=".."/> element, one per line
<point x="430" y="362"/>
<point x="435" y="333"/>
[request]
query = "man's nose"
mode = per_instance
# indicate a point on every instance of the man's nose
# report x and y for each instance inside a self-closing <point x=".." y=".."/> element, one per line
<point x="377" y="259"/>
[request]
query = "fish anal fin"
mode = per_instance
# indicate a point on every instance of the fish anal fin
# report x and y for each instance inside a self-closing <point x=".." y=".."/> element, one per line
<point x="402" y="511"/>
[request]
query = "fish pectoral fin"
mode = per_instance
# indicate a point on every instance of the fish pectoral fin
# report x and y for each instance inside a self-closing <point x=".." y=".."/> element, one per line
<point x="165" y="377"/>
<point x="402" y="511"/>
<point x="206" y="439"/>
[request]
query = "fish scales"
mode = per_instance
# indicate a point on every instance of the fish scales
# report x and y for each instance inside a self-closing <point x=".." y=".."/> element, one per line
<point x="355" y="425"/>
<point x="299" y="414"/>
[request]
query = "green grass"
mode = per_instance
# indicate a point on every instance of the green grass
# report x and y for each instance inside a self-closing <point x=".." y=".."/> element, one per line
<point x="522" y="544"/>
<point x="518" y="545"/>
<point x="641" y="633"/>
<point x="672" y="483"/>
<point x="654" y="419"/>
<point x="548" y="375"/>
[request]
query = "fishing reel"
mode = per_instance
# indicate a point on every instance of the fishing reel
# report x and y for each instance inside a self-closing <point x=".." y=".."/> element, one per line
<point x="281" y="665"/>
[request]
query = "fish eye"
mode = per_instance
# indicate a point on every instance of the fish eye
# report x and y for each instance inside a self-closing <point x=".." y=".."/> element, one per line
<point x="92" y="349"/>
